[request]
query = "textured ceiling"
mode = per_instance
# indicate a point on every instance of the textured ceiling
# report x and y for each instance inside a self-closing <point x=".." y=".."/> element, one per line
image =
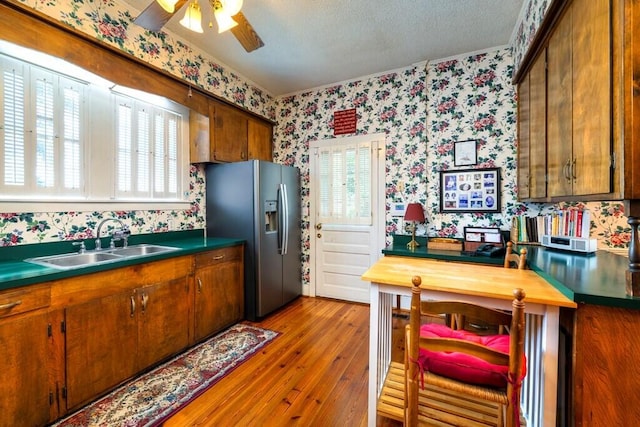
<point x="312" y="43"/>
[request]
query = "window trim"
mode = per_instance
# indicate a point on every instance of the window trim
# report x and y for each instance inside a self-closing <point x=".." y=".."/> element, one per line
<point x="88" y="206"/>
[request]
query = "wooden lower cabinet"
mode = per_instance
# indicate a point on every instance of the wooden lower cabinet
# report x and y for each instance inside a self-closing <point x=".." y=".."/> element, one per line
<point x="67" y="342"/>
<point x="163" y="320"/>
<point x="598" y="370"/>
<point x="219" y="293"/>
<point x="101" y="346"/>
<point x="28" y="390"/>
<point x="606" y="372"/>
<point x="113" y="338"/>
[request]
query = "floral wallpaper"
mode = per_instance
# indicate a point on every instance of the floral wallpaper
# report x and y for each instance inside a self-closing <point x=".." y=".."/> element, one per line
<point x="531" y="17"/>
<point x="423" y="110"/>
<point x="471" y="97"/>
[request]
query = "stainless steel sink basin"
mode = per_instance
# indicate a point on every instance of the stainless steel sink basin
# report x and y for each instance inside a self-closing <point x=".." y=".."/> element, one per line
<point x="66" y="261"/>
<point x="141" y="250"/>
<point x="77" y="260"/>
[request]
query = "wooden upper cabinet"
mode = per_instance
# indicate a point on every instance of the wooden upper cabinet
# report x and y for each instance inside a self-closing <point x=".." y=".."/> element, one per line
<point x="591" y="66"/>
<point x="199" y="137"/>
<point x="260" y="140"/>
<point x="532" y="133"/>
<point x="559" y="109"/>
<point x="229" y="133"/>
<point x="572" y="105"/>
<point x="524" y="126"/>
<point x="538" y="129"/>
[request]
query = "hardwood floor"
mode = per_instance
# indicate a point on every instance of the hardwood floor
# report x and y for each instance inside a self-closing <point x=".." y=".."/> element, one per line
<point x="314" y="374"/>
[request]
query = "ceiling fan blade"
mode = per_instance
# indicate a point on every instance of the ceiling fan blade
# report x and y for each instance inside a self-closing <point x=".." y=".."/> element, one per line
<point x="245" y="33"/>
<point x="154" y="16"/>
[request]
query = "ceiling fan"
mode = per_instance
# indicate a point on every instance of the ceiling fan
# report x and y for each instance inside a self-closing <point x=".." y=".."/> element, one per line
<point x="226" y="12"/>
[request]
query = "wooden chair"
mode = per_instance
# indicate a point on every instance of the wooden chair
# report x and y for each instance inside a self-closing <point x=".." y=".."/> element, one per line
<point x="446" y="401"/>
<point x="511" y="257"/>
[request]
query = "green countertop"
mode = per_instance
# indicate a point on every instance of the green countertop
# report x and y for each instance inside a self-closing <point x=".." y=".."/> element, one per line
<point x="399" y="248"/>
<point x="14" y="272"/>
<point x="597" y="278"/>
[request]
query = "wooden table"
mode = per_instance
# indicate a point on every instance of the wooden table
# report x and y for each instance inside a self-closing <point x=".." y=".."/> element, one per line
<point x="477" y="283"/>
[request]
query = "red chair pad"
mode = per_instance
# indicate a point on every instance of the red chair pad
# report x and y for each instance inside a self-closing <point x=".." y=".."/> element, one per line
<point x="463" y="367"/>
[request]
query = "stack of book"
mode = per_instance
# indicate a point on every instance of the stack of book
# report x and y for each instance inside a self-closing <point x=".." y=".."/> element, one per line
<point x="565" y="223"/>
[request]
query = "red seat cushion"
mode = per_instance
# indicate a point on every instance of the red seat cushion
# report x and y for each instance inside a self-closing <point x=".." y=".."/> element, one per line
<point x="463" y="367"/>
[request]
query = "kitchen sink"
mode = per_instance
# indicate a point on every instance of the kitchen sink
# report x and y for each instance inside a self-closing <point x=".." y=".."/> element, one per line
<point x="75" y="260"/>
<point x="89" y="258"/>
<point x="141" y="250"/>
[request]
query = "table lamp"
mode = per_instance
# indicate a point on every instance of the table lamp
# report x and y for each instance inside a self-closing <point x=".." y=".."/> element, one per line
<point x="414" y="213"/>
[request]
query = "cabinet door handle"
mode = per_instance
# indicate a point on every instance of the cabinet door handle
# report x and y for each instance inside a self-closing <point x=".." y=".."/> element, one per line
<point x="199" y="285"/>
<point x="133" y="305"/>
<point x="565" y="170"/>
<point x="10" y="305"/>
<point x="573" y="169"/>
<point x="145" y="300"/>
<point x="218" y="257"/>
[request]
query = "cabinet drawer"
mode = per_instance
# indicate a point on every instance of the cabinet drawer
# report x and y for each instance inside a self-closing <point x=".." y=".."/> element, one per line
<point x="233" y="253"/>
<point x="21" y="300"/>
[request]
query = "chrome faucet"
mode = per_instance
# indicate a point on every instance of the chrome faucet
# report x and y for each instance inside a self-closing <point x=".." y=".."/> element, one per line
<point x="123" y="234"/>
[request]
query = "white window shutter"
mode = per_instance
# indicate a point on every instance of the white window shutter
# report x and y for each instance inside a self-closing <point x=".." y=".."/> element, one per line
<point x="72" y="152"/>
<point x="45" y="131"/>
<point x="13" y="125"/>
<point x="124" y="147"/>
<point x="345" y="184"/>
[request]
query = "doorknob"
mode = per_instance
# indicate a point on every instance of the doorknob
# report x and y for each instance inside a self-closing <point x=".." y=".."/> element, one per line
<point x="319" y="235"/>
<point x="319" y="226"/>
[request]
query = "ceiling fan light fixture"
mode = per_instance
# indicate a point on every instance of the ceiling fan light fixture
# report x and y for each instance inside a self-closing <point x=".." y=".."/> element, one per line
<point x="193" y="18"/>
<point x="168" y="5"/>
<point x="224" y="21"/>
<point x="231" y="7"/>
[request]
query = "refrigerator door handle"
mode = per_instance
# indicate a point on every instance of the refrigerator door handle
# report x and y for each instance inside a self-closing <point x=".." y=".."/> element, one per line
<point x="285" y="240"/>
<point x="281" y="220"/>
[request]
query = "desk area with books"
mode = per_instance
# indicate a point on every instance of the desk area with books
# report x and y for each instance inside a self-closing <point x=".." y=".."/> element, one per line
<point x="562" y="229"/>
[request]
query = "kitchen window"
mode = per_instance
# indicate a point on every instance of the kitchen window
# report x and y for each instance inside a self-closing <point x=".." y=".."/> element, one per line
<point x="77" y="138"/>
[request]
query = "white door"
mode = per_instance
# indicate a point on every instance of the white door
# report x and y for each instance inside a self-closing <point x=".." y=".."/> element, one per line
<point x="347" y="213"/>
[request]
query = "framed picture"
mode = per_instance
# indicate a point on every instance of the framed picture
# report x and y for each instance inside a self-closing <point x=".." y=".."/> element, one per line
<point x="470" y="190"/>
<point x="464" y="153"/>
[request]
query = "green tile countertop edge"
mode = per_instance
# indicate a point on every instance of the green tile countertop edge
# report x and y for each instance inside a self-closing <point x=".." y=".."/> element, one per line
<point x="597" y="278"/>
<point x="14" y="272"/>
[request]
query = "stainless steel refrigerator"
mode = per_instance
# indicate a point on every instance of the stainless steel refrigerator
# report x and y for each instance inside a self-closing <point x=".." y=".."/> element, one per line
<point x="259" y="202"/>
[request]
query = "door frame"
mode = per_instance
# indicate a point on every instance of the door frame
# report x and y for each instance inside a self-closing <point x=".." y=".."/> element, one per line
<point x="378" y="159"/>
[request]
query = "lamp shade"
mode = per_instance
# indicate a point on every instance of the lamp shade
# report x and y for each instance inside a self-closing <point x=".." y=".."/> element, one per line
<point x="414" y="212"/>
<point x="231" y="7"/>
<point x="168" y="5"/>
<point x="193" y="18"/>
<point x="224" y="21"/>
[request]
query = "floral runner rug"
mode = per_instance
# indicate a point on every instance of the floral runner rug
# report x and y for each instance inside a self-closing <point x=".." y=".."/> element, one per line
<point x="150" y="399"/>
